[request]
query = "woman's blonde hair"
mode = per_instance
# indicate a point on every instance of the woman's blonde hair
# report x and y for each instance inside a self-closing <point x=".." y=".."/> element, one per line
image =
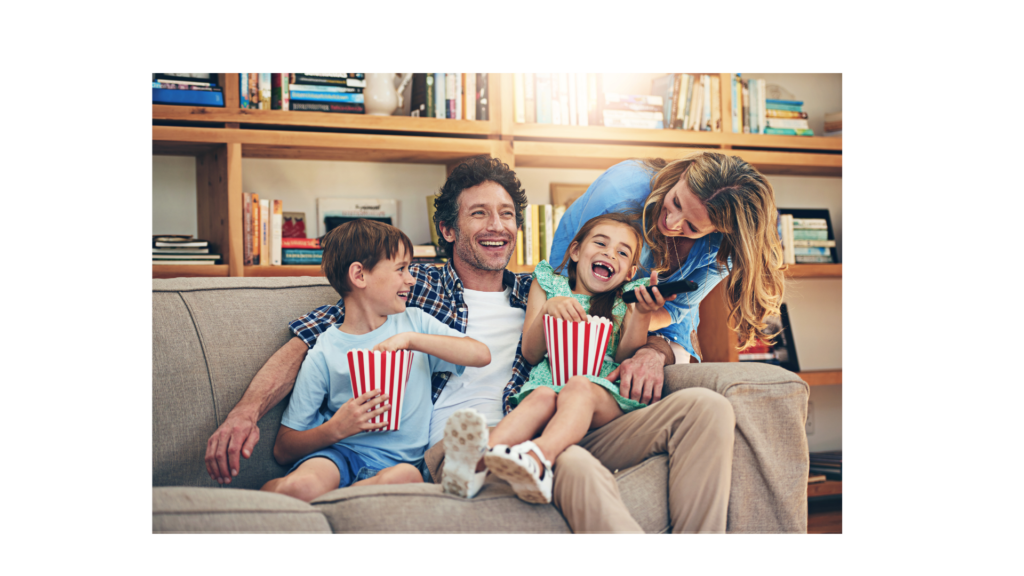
<point x="741" y="205"/>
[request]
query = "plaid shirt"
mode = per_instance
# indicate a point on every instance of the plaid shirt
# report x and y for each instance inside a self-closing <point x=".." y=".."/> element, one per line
<point x="438" y="291"/>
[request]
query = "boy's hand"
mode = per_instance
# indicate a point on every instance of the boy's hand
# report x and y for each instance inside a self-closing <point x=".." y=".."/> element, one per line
<point x="401" y="341"/>
<point x="645" y="303"/>
<point x="354" y="416"/>
<point x="565" y="308"/>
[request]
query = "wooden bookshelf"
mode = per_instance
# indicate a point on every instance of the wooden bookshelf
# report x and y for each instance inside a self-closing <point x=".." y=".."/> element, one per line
<point x="190" y="271"/>
<point x="265" y="271"/>
<point x="826" y="488"/>
<point x="822" y="377"/>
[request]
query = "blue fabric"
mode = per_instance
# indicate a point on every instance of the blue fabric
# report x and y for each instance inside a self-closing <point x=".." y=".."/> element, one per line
<point x="438" y="291"/>
<point x="352" y="466"/>
<point x="625" y="187"/>
<point x="324" y="375"/>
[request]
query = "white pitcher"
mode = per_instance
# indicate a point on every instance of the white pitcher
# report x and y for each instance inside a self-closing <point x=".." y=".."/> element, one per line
<point x="380" y="96"/>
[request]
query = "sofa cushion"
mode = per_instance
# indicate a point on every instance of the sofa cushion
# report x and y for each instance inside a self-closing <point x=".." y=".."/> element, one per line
<point x="212" y="510"/>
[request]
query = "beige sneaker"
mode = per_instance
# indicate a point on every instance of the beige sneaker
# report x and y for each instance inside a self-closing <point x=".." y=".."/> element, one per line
<point x="465" y="441"/>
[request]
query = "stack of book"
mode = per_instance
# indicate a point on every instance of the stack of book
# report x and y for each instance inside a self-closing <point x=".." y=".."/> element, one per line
<point x="805" y="240"/>
<point x="834" y="124"/>
<point x="181" y="249"/>
<point x="533" y="242"/>
<point x="301" y="251"/>
<point x="630" y="111"/>
<point x="187" y="89"/>
<point x="692" y="101"/>
<point x="339" y="93"/>
<point x="568" y="99"/>
<point x="452" y="95"/>
<point x="829" y="463"/>
<point x="261" y="230"/>
<point x="786" y="117"/>
<point x="759" y="352"/>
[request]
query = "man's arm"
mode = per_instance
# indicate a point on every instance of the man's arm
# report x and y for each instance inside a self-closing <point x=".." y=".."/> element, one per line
<point x="239" y="432"/>
<point x="642" y="376"/>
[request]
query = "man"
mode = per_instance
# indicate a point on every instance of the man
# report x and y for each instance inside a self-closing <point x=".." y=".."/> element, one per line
<point x="478" y="213"/>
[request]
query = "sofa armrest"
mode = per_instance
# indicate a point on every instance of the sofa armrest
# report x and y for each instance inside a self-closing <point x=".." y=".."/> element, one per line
<point x="184" y="509"/>
<point x="770" y="458"/>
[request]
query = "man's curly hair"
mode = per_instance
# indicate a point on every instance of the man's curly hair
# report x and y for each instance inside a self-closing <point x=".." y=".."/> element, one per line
<point x="472" y="172"/>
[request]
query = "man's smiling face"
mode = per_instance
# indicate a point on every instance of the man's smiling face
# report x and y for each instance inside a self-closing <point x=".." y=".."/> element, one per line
<point x="486" y="232"/>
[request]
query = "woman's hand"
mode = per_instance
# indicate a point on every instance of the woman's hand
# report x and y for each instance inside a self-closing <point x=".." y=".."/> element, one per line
<point x="565" y="308"/>
<point x="403" y="341"/>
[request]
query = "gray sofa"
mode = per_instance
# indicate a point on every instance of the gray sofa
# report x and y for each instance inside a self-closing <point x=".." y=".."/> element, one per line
<point x="211" y="336"/>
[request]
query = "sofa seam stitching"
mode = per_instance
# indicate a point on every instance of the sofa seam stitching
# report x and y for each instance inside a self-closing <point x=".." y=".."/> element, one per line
<point x="179" y="291"/>
<point x="206" y="360"/>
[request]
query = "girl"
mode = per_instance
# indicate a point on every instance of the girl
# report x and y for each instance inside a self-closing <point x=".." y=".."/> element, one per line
<point x="600" y="260"/>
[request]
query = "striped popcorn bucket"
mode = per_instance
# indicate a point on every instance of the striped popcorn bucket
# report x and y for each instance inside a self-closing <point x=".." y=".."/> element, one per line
<point x="383" y="371"/>
<point x="576" y="348"/>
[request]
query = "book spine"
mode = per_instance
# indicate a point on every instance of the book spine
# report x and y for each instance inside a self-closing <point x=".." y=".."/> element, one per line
<point x="811" y="250"/>
<point x="172" y="86"/>
<point x="817" y="259"/>
<point x="762" y="110"/>
<point x="705" y="121"/>
<point x="483" y="110"/>
<point x="673" y="114"/>
<point x="304" y="243"/>
<point x="519" y="247"/>
<point x="800" y="243"/>
<point x="275" y="92"/>
<point x="787" y="239"/>
<point x="264" y="232"/>
<point x="449" y="95"/>
<point x="737" y="105"/>
<point x="418" y="102"/>
<point x="347" y="79"/>
<point x="544" y="114"/>
<point x="810" y="223"/>
<point x="243" y="90"/>
<point x="440" y="105"/>
<point x="786" y="123"/>
<point x="325" y="89"/>
<point x="785" y="102"/>
<point x="300" y="252"/>
<point x="518" y="98"/>
<point x="716" y="104"/>
<point x="256" y="230"/>
<point x="276" y="220"/>
<point x="789" y="131"/>
<point x="542" y="234"/>
<point x="469" y="97"/>
<point x="535" y="217"/>
<point x="697" y="108"/>
<point x="746" y="106"/>
<point x="550" y="227"/>
<point x="247" y="228"/>
<point x="341" y="107"/>
<point x="303" y="96"/>
<point x="192" y="97"/>
<point x="254" y="91"/>
<point x="265" y="90"/>
<point x="811" y="235"/>
<point x="787" y="107"/>
<point x="431" y="99"/>
<point x="530" y="98"/>
<point x="582" y="100"/>
<point x="684" y="105"/>
<point x="772" y="113"/>
<point x="563" y="99"/>
<point x="458" y="96"/>
<point x="574" y="114"/>
<point x="528" y="234"/>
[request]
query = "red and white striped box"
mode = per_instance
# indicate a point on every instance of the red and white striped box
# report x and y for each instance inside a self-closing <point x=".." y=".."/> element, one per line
<point x="384" y="371"/>
<point x="576" y="348"/>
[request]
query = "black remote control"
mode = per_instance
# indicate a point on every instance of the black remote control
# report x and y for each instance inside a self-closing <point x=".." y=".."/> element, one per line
<point x="666" y="290"/>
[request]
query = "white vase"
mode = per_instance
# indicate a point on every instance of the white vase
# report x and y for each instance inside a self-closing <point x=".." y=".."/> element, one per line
<point x="380" y="96"/>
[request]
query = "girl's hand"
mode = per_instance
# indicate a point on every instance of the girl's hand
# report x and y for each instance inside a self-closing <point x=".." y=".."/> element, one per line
<point x="565" y="308"/>
<point x="645" y="303"/>
<point x="401" y="341"/>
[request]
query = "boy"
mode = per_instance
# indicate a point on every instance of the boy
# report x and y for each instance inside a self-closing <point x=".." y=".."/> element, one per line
<point x="367" y="263"/>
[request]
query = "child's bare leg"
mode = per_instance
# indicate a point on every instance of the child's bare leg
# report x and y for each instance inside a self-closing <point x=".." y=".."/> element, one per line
<point x="314" y="477"/>
<point x="398" y="474"/>
<point x="525" y="421"/>
<point x="581" y="405"/>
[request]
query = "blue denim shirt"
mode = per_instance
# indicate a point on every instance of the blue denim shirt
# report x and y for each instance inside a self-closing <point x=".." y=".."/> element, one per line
<point x="625" y="187"/>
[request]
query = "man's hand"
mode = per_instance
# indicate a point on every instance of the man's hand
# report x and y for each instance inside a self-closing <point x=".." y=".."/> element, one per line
<point x="354" y="416"/>
<point x="642" y="376"/>
<point x="237" y="435"/>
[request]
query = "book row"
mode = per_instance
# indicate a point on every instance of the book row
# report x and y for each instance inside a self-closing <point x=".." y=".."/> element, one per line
<point x="272" y="237"/>
<point x="805" y="240"/>
<point x="321" y="92"/>
<point x="533" y="242"/>
<point x="187" y="89"/>
<point x="181" y="249"/>
<point x="456" y="96"/>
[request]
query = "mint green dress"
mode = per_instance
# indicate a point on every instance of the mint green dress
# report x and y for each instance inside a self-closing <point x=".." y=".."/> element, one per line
<point x="558" y="285"/>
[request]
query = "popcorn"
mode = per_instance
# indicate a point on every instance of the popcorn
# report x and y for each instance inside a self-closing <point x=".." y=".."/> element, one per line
<point x="384" y="371"/>
<point x="576" y="348"/>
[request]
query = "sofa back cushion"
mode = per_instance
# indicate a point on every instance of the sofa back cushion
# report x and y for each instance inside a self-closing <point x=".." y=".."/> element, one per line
<point x="210" y="337"/>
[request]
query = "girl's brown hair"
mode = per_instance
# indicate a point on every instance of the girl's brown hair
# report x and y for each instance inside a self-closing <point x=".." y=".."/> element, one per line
<point x="741" y="205"/>
<point x="602" y="304"/>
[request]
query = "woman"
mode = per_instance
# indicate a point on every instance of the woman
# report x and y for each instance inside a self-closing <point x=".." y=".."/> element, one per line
<point x="705" y="217"/>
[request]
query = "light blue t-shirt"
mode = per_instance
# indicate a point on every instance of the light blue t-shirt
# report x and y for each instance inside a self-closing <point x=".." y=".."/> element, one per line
<point x="324" y="374"/>
<point x="623" y="188"/>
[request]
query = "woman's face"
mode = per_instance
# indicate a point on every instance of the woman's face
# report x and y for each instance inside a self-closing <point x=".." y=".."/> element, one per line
<point x="683" y="214"/>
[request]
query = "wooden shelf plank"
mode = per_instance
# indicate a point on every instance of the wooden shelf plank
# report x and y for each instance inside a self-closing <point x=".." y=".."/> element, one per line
<point x="822" y="377"/>
<point x="265" y="271"/>
<point x="602" y="156"/>
<point x="676" y="137"/>
<point x="826" y="488"/>
<point x="814" y="271"/>
<point x="190" y="270"/>
<point x="327" y="146"/>
<point x="323" y="120"/>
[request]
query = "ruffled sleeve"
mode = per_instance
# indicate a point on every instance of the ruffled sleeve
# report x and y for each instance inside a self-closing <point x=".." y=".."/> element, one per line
<point x="553" y="284"/>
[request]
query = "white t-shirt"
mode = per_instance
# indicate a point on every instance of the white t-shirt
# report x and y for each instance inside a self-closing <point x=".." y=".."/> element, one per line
<point x="493" y="321"/>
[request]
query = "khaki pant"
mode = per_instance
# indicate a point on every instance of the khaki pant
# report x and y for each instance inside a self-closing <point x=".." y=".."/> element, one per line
<point x="695" y="427"/>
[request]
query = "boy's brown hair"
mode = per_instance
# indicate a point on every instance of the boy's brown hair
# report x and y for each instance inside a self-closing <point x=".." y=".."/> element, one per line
<point x="364" y="241"/>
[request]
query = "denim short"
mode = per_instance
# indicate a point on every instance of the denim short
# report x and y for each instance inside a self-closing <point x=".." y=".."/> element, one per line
<point x="354" y="466"/>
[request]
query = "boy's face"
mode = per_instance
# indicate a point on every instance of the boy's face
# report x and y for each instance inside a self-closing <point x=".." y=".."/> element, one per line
<point x="388" y="284"/>
<point x="487" y="227"/>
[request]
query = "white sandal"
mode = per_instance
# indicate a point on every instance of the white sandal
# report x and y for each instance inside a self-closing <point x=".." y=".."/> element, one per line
<point x="465" y="440"/>
<point x="515" y="466"/>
